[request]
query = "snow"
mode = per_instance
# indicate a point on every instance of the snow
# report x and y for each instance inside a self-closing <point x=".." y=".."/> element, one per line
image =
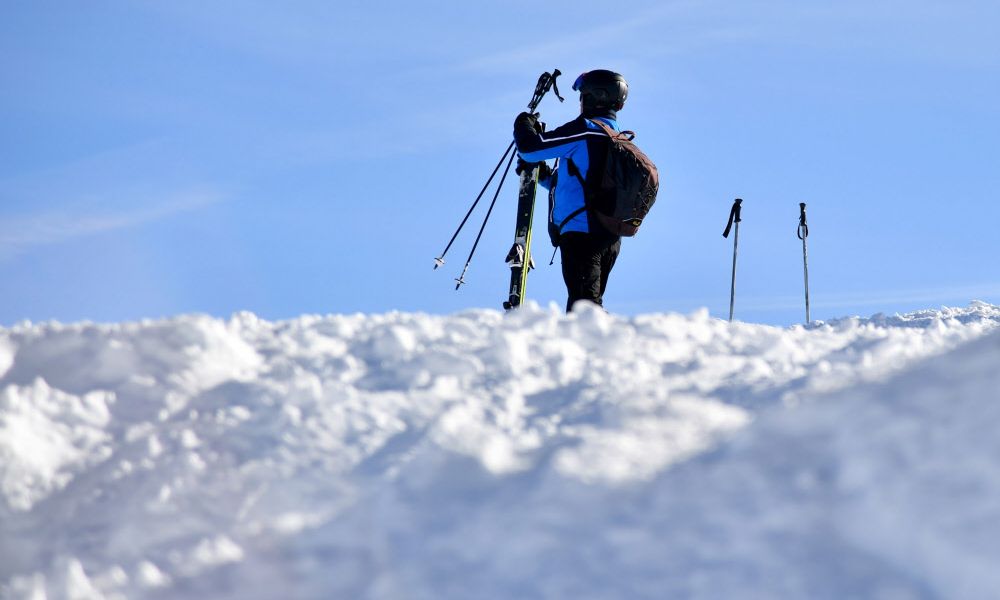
<point x="481" y="455"/>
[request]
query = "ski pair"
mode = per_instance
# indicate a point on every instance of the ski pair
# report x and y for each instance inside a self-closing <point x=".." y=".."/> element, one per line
<point x="519" y="258"/>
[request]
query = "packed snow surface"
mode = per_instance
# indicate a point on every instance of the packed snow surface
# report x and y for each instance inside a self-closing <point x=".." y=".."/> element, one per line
<point x="481" y="455"/>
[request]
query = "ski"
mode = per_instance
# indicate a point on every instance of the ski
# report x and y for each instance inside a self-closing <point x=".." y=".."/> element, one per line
<point x="519" y="258"/>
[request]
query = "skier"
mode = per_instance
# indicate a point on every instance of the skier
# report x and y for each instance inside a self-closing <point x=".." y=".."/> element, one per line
<point x="588" y="251"/>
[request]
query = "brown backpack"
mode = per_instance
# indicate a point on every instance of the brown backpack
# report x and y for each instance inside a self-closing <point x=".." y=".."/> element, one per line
<point x="621" y="194"/>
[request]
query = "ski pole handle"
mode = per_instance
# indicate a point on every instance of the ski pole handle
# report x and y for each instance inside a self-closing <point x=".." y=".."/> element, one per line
<point x="803" y="231"/>
<point x="734" y="216"/>
<point x="546" y="81"/>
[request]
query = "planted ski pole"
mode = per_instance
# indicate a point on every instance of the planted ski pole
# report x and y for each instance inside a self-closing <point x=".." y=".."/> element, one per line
<point x="734" y="217"/>
<point x="461" y="278"/>
<point x="803" y="233"/>
<point x="519" y="256"/>
<point x="440" y="259"/>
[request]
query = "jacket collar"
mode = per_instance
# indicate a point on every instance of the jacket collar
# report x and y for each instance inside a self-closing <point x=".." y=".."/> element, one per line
<point x="607" y="113"/>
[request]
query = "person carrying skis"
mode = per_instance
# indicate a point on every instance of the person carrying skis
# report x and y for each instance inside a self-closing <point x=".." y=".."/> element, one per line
<point x="588" y="250"/>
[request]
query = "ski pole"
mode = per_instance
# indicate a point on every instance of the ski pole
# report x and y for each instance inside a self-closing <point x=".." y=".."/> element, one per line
<point x="546" y="81"/>
<point x="440" y="259"/>
<point x="461" y="278"/>
<point x="803" y="233"/>
<point x="734" y="217"/>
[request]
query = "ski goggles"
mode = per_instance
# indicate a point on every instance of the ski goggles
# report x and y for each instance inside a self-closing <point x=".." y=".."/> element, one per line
<point x="579" y="81"/>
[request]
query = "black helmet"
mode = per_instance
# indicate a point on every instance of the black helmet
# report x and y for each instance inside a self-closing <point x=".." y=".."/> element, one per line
<point x="602" y="89"/>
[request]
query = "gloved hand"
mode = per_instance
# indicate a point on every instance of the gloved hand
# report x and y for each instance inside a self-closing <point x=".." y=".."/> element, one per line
<point x="544" y="172"/>
<point x="529" y="121"/>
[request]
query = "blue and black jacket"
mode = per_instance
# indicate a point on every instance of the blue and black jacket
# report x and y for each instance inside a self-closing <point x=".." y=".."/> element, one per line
<point x="577" y="146"/>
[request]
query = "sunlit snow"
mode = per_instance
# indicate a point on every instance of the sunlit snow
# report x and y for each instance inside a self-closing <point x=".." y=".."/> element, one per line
<point x="481" y="455"/>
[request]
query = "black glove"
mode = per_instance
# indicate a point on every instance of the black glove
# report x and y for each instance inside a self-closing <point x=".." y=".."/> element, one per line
<point x="529" y="121"/>
<point x="544" y="172"/>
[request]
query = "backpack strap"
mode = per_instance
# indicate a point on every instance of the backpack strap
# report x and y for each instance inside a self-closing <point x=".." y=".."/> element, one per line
<point x="570" y="216"/>
<point x="575" y="172"/>
<point x="630" y="135"/>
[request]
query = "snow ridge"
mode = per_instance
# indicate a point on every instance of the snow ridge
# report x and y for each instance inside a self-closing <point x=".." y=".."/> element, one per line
<point x="530" y="455"/>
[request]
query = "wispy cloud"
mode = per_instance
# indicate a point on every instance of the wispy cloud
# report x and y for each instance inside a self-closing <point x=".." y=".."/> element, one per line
<point x="20" y="234"/>
<point x="866" y="301"/>
<point x="565" y="46"/>
<point x="958" y="34"/>
<point x="963" y="293"/>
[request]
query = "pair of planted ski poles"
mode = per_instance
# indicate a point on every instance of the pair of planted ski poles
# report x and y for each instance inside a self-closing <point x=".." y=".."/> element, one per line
<point x="803" y="233"/>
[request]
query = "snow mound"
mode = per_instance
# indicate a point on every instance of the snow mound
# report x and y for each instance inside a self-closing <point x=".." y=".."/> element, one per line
<point x="530" y="455"/>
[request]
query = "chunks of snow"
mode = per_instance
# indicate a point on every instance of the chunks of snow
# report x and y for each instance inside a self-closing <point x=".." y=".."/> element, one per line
<point x="533" y="455"/>
<point x="46" y="438"/>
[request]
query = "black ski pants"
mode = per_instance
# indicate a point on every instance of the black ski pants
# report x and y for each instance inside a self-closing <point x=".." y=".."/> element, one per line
<point x="587" y="260"/>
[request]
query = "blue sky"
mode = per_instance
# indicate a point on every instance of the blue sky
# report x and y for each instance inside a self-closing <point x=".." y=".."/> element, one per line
<point x="314" y="157"/>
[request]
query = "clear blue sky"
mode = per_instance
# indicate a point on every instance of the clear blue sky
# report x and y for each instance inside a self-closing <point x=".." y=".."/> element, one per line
<point x="159" y="158"/>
